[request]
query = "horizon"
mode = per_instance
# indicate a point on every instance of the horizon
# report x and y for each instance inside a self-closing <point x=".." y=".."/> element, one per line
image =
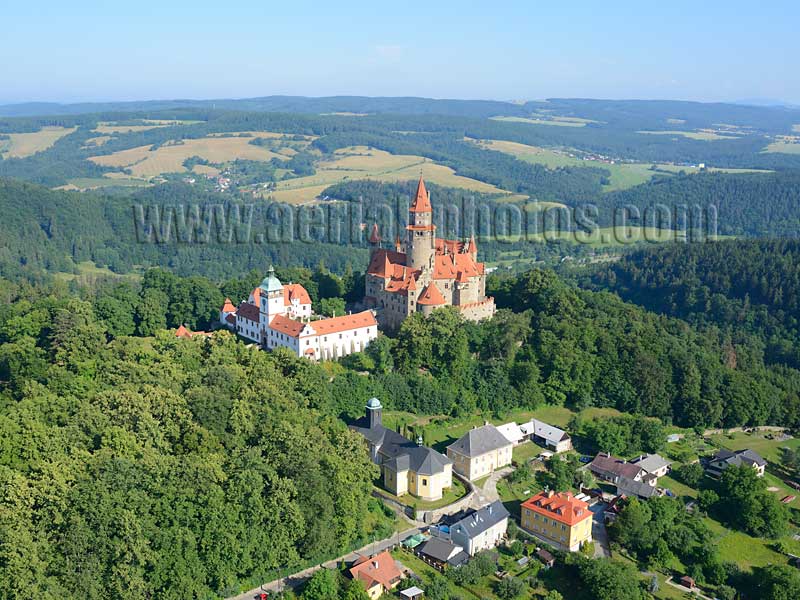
<point x="94" y="53"/>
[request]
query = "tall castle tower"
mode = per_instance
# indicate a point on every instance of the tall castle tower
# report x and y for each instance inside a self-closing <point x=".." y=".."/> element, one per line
<point x="271" y="298"/>
<point x="421" y="244"/>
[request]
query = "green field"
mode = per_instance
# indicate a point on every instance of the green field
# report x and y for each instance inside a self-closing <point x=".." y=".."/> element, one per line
<point x="557" y="121"/>
<point x="770" y="449"/>
<point x="784" y="147"/>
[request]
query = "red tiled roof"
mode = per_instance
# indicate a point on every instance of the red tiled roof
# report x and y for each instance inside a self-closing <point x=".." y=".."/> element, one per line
<point x="561" y="506"/>
<point x="375" y="236"/>
<point x="422" y="200"/>
<point x="345" y="322"/>
<point x="182" y="332"/>
<point x="228" y="307"/>
<point x="380" y="569"/>
<point x="284" y="324"/>
<point x="231" y="318"/>
<point x="384" y="262"/>
<point x="256" y="294"/>
<point x="431" y="296"/>
<point x="448" y="266"/>
<point x="295" y="291"/>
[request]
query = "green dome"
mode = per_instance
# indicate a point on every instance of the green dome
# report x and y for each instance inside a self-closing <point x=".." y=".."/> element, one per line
<point x="270" y="283"/>
<point x="374" y="403"/>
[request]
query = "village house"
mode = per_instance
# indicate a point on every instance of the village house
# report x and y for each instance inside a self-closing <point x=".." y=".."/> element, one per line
<point x="725" y="458"/>
<point x="610" y="468"/>
<point x="280" y="316"/>
<point x="378" y="573"/>
<point x="652" y="464"/>
<point x="441" y="553"/>
<point x="424" y="272"/>
<point x="479" y="452"/>
<point x="558" y="518"/>
<point x="406" y="467"/>
<point x="481" y="529"/>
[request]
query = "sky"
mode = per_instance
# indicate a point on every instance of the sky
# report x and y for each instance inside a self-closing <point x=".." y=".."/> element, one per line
<point x="516" y="50"/>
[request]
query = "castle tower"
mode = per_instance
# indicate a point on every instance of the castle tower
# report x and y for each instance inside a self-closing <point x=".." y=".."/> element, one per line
<point x="271" y="298"/>
<point x="375" y="237"/>
<point x="421" y="243"/>
<point x="374" y="413"/>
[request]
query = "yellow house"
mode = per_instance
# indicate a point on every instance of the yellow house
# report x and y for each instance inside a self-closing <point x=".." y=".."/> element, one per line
<point x="480" y="451"/>
<point x="406" y="467"/>
<point x="558" y="518"/>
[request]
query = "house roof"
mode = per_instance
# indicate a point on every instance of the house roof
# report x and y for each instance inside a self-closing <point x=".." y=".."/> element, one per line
<point x="375" y="235"/>
<point x="248" y="311"/>
<point x="431" y="296"/>
<point x="422" y="199"/>
<point x="295" y="291"/>
<point x="651" y="462"/>
<point x="606" y="464"/>
<point x="545" y="555"/>
<point x="564" y="507"/>
<point x="630" y="487"/>
<point x="746" y="456"/>
<point x="345" y="322"/>
<point x="480" y="520"/>
<point x="412" y="592"/>
<point x="511" y="431"/>
<point x="548" y="432"/>
<point x="287" y="326"/>
<point x="443" y="551"/>
<point x="379" y="569"/>
<point x="479" y="441"/>
<point x="228" y="306"/>
<point x="400" y="453"/>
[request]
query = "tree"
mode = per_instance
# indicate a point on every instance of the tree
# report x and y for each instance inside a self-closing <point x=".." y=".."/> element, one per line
<point x="332" y="307"/>
<point x="690" y="473"/>
<point x="509" y="588"/>
<point x="355" y="591"/>
<point x="322" y="586"/>
<point x="777" y="582"/>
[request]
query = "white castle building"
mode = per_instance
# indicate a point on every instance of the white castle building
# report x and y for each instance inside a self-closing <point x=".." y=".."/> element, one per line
<point x="280" y="316"/>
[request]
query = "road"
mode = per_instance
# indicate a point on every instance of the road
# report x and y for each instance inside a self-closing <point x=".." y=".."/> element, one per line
<point x="599" y="532"/>
<point x="299" y="578"/>
<point x="488" y="493"/>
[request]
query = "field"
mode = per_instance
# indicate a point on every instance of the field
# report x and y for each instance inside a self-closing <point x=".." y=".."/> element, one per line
<point x="784" y="147"/>
<point x="770" y="449"/>
<point x="168" y="158"/>
<point x="21" y="145"/>
<point x="93" y="183"/>
<point x="111" y="128"/>
<point x="701" y="134"/>
<point x="557" y="121"/>
<point x="360" y="162"/>
<point x="623" y="175"/>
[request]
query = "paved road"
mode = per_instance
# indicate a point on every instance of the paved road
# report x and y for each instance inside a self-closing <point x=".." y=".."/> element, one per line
<point x="488" y="493"/>
<point x="297" y="579"/>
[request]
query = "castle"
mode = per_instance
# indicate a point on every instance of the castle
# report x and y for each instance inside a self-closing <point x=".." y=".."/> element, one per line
<point x="280" y="316"/>
<point x="425" y="272"/>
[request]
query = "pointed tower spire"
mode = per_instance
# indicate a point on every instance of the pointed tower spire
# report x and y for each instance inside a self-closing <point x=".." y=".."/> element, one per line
<point x="473" y="246"/>
<point x="375" y="236"/>
<point x="422" y="199"/>
<point x="397" y="244"/>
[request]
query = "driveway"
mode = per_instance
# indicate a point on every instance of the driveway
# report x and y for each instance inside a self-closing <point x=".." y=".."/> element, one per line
<point x="599" y="533"/>
<point x="488" y="493"/>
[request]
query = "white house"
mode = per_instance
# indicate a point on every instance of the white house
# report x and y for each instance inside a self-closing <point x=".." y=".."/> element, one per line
<point x="482" y="529"/>
<point x="280" y="316"/>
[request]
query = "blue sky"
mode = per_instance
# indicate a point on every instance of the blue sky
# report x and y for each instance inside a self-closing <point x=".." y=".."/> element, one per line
<point x="90" y="50"/>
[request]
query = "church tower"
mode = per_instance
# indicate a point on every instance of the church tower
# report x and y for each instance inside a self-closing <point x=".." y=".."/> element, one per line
<point x="421" y="243"/>
<point x="271" y="298"/>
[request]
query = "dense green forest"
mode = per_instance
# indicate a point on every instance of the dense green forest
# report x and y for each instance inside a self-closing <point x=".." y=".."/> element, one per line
<point x="157" y="467"/>
<point x="748" y="289"/>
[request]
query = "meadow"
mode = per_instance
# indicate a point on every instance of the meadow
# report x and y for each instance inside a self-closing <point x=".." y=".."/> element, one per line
<point x="146" y="162"/>
<point x="20" y="145"/>
<point x="361" y="162"/>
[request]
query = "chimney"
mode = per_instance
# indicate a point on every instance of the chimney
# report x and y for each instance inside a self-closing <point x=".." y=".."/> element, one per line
<point x="374" y="564"/>
<point x="490" y="508"/>
<point x="419" y="440"/>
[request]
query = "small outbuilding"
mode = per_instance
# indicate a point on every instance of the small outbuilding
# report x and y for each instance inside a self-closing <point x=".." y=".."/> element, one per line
<point x="412" y="593"/>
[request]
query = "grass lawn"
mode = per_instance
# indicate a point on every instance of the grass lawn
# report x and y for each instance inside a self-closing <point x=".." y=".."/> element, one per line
<point x="769" y="449"/>
<point x="525" y="451"/>
<point x="427" y="572"/>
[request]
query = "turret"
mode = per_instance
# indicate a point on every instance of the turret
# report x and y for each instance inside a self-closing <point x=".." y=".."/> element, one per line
<point x="271" y="296"/>
<point x="421" y="230"/>
<point x="374" y="413"/>
<point x="375" y="236"/>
